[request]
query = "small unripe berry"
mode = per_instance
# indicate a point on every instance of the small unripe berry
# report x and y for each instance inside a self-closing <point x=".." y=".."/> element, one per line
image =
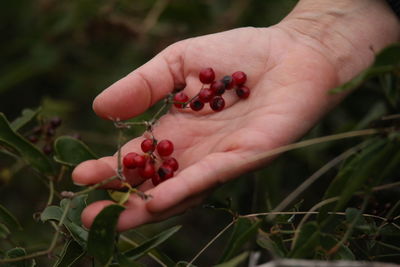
<point x="179" y="99"/>
<point x="217" y="103"/>
<point x="55" y="122"/>
<point x="205" y="95"/>
<point x="172" y="162"/>
<point x="239" y="77"/>
<point x="196" y="104"/>
<point x="148" y="145"/>
<point x="207" y="75"/>
<point x="165" y="148"/>
<point x="243" y="92"/>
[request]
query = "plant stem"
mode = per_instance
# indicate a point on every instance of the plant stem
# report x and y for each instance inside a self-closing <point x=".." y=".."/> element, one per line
<point x="212" y="241"/>
<point x="93" y="187"/>
<point x="300" y="189"/>
<point x="52" y="244"/>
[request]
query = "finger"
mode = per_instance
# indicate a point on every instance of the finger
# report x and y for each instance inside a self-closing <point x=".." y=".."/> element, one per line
<point x="214" y="169"/>
<point x="143" y="87"/>
<point x="136" y="212"/>
<point x="95" y="171"/>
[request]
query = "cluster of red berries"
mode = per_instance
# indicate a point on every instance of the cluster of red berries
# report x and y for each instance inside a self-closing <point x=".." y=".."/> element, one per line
<point x="213" y="93"/>
<point x="148" y="162"/>
<point x="46" y="132"/>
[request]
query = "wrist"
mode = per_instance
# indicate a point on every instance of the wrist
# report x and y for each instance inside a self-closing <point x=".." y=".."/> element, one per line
<point x="348" y="33"/>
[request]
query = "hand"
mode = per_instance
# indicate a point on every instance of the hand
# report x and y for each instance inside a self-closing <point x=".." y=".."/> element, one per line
<point x="289" y="75"/>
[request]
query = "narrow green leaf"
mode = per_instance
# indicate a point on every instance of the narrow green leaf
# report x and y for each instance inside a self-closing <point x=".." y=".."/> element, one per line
<point x="51" y="213"/>
<point x="8" y="219"/>
<point x="15" y="253"/>
<point x="234" y="261"/>
<point x="70" y="254"/>
<point x="386" y="61"/>
<point x="307" y="241"/>
<point x="244" y="230"/>
<point x="136" y="238"/>
<point x="102" y="233"/>
<point x="4" y="231"/>
<point x="71" y="151"/>
<point x="273" y="244"/>
<point x="343" y="253"/>
<point x="27" y="116"/>
<point x="28" y="151"/>
<point x="124" y="261"/>
<point x="77" y="205"/>
<point x="151" y="243"/>
<point x="78" y="233"/>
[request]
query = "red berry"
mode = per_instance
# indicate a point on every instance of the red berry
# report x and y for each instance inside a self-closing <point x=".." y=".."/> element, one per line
<point x="207" y="75"/>
<point x="196" y="104"/>
<point x="140" y="161"/>
<point x="148" y="145"/>
<point x="55" y="122"/>
<point x="239" y="77"/>
<point x="165" y="172"/>
<point x="180" y="99"/>
<point x="172" y="162"/>
<point x="205" y="95"/>
<point x="47" y="149"/>
<point x="228" y="82"/>
<point x="148" y="171"/>
<point x="128" y="161"/>
<point x="156" y="179"/>
<point x="218" y="87"/>
<point x="165" y="148"/>
<point x="217" y="103"/>
<point x="243" y="92"/>
<point x="33" y="139"/>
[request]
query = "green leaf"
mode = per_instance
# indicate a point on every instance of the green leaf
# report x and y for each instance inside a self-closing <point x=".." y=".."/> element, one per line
<point x="28" y="151"/>
<point x="244" y="230"/>
<point x="4" y="231"/>
<point x="274" y="244"/>
<point x="386" y="61"/>
<point x="369" y="163"/>
<point x="307" y="241"/>
<point x="151" y="243"/>
<point x="71" y="151"/>
<point x="234" y="261"/>
<point x="27" y="116"/>
<point x="184" y="264"/>
<point x="75" y="210"/>
<point x="124" y="261"/>
<point x="136" y="237"/>
<point x="361" y="224"/>
<point x="8" y="219"/>
<point x="15" y="253"/>
<point x="102" y="233"/>
<point x="78" y="233"/>
<point x="343" y="253"/>
<point x="51" y="213"/>
<point x="70" y="254"/>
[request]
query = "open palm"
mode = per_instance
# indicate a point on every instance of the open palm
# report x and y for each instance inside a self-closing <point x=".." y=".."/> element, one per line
<point x="288" y="80"/>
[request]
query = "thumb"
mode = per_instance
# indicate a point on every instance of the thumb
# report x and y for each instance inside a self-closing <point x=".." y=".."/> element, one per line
<point x="140" y="89"/>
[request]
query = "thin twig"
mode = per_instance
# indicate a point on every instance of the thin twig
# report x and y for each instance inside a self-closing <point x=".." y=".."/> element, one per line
<point x="211" y="241"/>
<point x="52" y="244"/>
<point x="300" y="189"/>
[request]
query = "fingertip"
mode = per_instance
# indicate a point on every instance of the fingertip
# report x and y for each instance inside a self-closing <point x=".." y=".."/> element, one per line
<point x="90" y="212"/>
<point x="92" y="172"/>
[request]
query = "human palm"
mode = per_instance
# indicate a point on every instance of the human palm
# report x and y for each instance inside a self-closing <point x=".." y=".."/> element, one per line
<point x="288" y="80"/>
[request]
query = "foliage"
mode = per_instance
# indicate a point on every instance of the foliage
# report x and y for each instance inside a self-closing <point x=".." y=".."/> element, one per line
<point x="347" y="212"/>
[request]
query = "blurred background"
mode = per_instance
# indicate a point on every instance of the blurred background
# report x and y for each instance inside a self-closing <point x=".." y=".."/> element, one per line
<point x="60" y="54"/>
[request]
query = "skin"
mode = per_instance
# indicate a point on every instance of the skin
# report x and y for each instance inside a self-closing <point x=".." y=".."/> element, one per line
<point x="290" y="66"/>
